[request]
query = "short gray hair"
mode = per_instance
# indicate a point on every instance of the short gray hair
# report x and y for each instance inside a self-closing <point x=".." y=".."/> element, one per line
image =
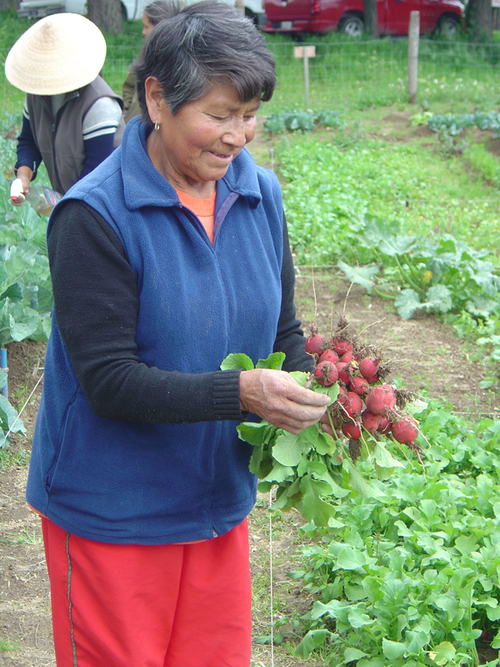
<point x="208" y="43"/>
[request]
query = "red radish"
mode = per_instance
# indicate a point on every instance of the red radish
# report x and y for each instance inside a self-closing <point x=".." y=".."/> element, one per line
<point x="326" y="374"/>
<point x="370" y="421"/>
<point x="348" y="356"/>
<point x="351" y="430"/>
<point x="405" y="430"/>
<point x="329" y="355"/>
<point x="368" y="367"/>
<point x="385" y="425"/>
<point x="353" y="405"/>
<point x="380" y="399"/>
<point x="373" y="379"/>
<point x="315" y="344"/>
<point x="359" y="385"/>
<point x="343" y="372"/>
<point x="341" y="346"/>
<point x="342" y="396"/>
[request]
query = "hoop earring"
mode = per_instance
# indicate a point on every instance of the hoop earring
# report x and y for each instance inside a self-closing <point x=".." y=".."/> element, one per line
<point x="157" y="125"/>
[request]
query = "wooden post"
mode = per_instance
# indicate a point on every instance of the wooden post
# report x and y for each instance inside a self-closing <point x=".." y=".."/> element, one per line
<point x="413" y="36"/>
<point x="305" y="52"/>
<point x="240" y="6"/>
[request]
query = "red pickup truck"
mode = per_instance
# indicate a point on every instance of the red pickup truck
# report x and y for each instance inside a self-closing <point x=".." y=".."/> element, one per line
<point x="346" y="16"/>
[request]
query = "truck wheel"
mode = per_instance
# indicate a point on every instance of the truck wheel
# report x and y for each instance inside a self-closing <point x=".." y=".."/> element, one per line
<point x="352" y="25"/>
<point x="447" y="26"/>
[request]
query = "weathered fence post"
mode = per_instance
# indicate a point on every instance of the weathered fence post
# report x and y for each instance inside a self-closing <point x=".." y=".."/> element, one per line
<point x="413" y="36"/>
<point x="305" y="52"/>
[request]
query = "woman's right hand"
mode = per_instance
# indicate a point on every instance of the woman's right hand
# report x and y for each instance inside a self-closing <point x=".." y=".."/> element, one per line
<point x="24" y="174"/>
<point x="276" y="397"/>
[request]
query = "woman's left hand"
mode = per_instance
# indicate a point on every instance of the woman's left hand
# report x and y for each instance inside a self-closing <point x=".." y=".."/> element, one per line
<point x="276" y="397"/>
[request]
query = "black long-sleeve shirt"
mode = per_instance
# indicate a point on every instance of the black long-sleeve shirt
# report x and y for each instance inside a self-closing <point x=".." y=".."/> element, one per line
<point x="96" y="305"/>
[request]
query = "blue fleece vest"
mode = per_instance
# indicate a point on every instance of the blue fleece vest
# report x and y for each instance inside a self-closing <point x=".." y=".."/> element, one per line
<point x="120" y="482"/>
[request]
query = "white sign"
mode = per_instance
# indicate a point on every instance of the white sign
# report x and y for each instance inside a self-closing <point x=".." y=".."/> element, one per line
<point x="310" y="51"/>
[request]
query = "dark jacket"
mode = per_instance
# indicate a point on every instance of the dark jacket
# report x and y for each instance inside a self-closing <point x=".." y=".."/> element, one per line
<point x="60" y="140"/>
<point x="159" y="479"/>
<point x="131" y="106"/>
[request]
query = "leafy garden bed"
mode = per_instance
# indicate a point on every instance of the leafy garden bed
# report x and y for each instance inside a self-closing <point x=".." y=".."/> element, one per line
<point x="407" y="576"/>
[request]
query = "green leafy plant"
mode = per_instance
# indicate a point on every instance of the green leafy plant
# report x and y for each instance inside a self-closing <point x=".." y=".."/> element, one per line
<point x="25" y="284"/>
<point x="25" y="289"/>
<point x="311" y="469"/>
<point x="410" y="577"/>
<point x="302" y="120"/>
<point x="403" y="564"/>
<point x="436" y="276"/>
<point x="484" y="163"/>
<point x="455" y="123"/>
<point x="10" y="421"/>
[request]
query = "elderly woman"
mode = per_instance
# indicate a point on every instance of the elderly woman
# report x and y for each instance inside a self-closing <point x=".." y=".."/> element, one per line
<point x="172" y="254"/>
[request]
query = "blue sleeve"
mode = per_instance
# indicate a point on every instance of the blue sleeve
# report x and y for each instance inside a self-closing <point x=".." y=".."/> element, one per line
<point x="97" y="149"/>
<point x="28" y="154"/>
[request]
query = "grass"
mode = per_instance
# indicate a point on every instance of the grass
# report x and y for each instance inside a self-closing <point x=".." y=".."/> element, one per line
<point x="17" y="457"/>
<point x="6" y="645"/>
<point x="25" y="537"/>
<point x="360" y="74"/>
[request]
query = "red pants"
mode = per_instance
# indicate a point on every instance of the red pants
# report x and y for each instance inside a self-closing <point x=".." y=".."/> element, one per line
<point x="177" y="605"/>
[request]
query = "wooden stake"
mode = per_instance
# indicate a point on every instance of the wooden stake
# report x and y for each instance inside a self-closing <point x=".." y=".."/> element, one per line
<point x="305" y="52"/>
<point x="413" y="36"/>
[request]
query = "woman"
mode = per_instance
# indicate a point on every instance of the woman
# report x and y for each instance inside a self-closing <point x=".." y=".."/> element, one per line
<point x="172" y="254"/>
<point x="72" y="120"/>
<point x="153" y="14"/>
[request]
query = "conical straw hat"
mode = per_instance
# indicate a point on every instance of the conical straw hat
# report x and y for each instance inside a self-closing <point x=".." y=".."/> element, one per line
<point x="59" y="53"/>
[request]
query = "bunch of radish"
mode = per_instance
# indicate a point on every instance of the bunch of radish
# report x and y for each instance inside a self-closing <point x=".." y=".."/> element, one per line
<point x="366" y="403"/>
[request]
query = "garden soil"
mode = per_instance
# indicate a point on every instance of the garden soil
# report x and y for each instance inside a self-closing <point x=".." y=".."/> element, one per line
<point x="426" y="357"/>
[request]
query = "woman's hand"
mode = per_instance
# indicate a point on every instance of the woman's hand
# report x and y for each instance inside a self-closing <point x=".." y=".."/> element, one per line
<point x="277" y="398"/>
<point x="24" y="174"/>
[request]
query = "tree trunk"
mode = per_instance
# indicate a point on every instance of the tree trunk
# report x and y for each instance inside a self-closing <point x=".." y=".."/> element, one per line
<point x="479" y="20"/>
<point x="496" y="18"/>
<point x="107" y="14"/>
<point x="371" y="17"/>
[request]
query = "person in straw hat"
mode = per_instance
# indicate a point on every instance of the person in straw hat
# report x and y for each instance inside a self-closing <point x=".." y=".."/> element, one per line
<point x="72" y="119"/>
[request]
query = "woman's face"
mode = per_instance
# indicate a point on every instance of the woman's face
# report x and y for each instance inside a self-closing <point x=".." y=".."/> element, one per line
<point x="147" y="26"/>
<point x="195" y="146"/>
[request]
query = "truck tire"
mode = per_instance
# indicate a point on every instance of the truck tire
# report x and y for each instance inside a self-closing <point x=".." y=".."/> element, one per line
<point x="447" y="25"/>
<point x="351" y="24"/>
